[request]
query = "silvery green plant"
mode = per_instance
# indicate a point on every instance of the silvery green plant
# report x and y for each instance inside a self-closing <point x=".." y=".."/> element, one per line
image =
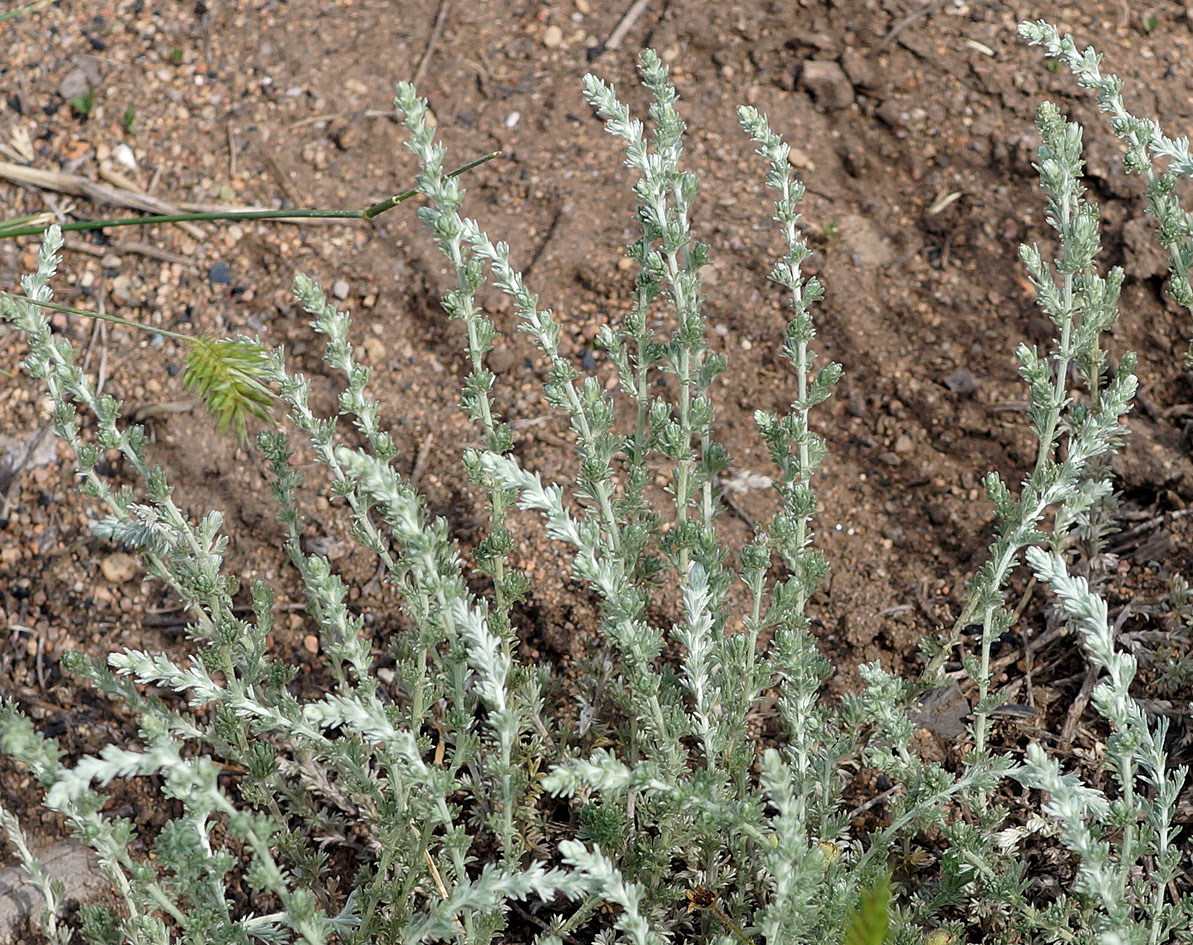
<point x="1128" y="847"/>
<point x="1073" y="435"/>
<point x="1146" y="146"/>
<point x="681" y="825"/>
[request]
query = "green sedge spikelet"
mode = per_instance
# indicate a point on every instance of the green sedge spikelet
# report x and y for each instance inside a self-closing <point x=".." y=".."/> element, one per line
<point x="226" y="374"/>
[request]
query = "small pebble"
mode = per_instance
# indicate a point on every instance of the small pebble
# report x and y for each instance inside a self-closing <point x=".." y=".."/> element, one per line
<point x="553" y="37"/>
<point x="512" y="119"/>
<point x="938" y="513"/>
<point x="74" y="83"/>
<point x="587" y="361"/>
<point x="118" y="567"/>
<point x="340" y="289"/>
<point x="962" y="381"/>
<point x="124" y="155"/>
<point x="311" y="643"/>
<point x="220" y="274"/>
<point x="374" y="350"/>
<point x="798" y="157"/>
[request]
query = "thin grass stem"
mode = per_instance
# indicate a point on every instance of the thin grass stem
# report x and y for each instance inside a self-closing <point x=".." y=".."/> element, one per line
<point x="368" y="213"/>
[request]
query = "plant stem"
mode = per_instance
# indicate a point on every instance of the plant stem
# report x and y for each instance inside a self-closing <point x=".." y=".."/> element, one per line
<point x="128" y="323"/>
<point x="368" y="213"/>
<point x="389" y="202"/>
<point x="733" y="926"/>
<point x="21" y="11"/>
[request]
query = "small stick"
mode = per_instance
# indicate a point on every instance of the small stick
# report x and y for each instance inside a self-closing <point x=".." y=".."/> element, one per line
<point x="1123" y="539"/>
<point x="12" y="486"/>
<point x="873" y="802"/>
<point x="739" y="511"/>
<point x="899" y="27"/>
<point x="436" y="30"/>
<point x="1075" y="710"/>
<point x="570" y="939"/>
<point x="1033" y="645"/>
<point x="40" y="661"/>
<point x="101" y="374"/>
<point x="637" y="8"/>
<point x="78" y="246"/>
<point x="442" y="890"/>
<point x="152" y="252"/>
<point x="1027" y="664"/>
<point x="280" y="176"/>
<point x="543" y="243"/>
<point x="80" y="186"/>
<point x="231" y="149"/>
<point x="119" y="249"/>
<point x="1027" y="591"/>
<point x="95" y="323"/>
<point x="368" y="113"/>
<point x="110" y="175"/>
<point x="439" y="883"/>
<point x="287" y="216"/>
<point x="420" y="459"/>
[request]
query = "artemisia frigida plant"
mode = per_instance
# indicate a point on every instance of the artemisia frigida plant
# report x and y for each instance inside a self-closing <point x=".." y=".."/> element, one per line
<point x="682" y="827"/>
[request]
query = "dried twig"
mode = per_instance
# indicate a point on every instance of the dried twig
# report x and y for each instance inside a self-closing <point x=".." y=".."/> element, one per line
<point x="873" y="802"/>
<point x="1123" y="539"/>
<point x="23" y="227"/>
<point x="329" y="116"/>
<point x="119" y="249"/>
<point x="739" y="511"/>
<point x="9" y="477"/>
<point x="1079" y="703"/>
<point x="279" y="175"/>
<point x="82" y="186"/>
<point x="101" y="373"/>
<point x="626" y="24"/>
<point x="152" y="252"/>
<point x="436" y="30"/>
<point x="929" y="7"/>
<point x="542" y="244"/>
<point x="231" y="132"/>
<point x="420" y="459"/>
<point x="529" y="917"/>
<point x="95" y="325"/>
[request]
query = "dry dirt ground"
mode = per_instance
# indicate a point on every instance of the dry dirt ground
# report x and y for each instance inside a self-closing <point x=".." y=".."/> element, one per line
<point x="916" y="146"/>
